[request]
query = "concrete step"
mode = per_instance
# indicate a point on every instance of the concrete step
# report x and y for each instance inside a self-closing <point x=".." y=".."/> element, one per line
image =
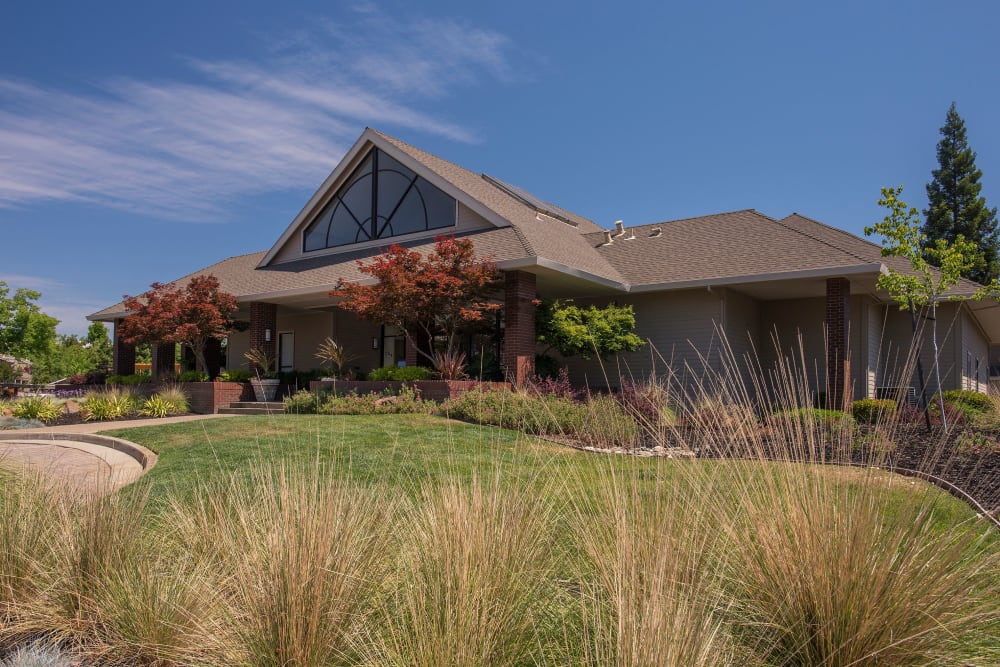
<point x="274" y="406"/>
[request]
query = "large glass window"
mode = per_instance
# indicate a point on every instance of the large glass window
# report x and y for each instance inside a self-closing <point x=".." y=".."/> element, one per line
<point x="382" y="198"/>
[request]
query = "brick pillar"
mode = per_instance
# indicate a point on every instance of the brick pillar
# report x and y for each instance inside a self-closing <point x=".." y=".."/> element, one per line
<point x="213" y="357"/>
<point x="264" y="317"/>
<point x="418" y="339"/>
<point x="163" y="361"/>
<point x="519" y="333"/>
<point x="123" y="361"/>
<point x="838" y="343"/>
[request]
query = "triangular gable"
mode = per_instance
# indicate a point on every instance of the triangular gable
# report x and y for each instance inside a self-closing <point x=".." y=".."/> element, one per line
<point x="347" y="231"/>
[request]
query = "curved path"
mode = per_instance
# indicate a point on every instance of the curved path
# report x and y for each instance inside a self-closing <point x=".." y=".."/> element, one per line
<point x="77" y="458"/>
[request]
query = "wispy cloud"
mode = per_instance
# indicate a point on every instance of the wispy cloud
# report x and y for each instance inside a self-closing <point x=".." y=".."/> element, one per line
<point x="183" y="148"/>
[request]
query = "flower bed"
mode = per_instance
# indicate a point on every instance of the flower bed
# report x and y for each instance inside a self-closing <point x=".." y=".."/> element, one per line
<point x="432" y="390"/>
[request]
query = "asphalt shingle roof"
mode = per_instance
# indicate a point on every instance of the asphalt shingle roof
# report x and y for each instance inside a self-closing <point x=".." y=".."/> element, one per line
<point x="726" y="245"/>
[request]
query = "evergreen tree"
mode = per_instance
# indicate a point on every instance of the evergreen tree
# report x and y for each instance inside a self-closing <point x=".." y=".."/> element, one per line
<point x="955" y="206"/>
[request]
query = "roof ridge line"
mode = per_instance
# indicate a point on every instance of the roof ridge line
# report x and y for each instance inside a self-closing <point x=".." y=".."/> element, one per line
<point x="694" y="217"/>
<point x="819" y="240"/>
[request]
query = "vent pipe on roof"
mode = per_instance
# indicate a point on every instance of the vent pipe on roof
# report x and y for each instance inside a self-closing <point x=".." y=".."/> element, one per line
<point x="607" y="238"/>
<point x="656" y="232"/>
<point x="619" y="228"/>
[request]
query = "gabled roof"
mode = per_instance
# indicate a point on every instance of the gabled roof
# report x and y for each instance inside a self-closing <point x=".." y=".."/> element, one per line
<point x="540" y="235"/>
<point x="723" y="246"/>
<point x="243" y="278"/>
<point x="726" y="248"/>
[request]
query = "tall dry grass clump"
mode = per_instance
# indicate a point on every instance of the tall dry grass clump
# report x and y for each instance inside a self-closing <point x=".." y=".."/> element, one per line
<point x="26" y="550"/>
<point x="473" y="583"/>
<point x="837" y="565"/>
<point x="304" y="552"/>
<point x="651" y="589"/>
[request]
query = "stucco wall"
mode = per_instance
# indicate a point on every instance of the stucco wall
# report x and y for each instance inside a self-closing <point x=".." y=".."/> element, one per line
<point x="310" y="329"/>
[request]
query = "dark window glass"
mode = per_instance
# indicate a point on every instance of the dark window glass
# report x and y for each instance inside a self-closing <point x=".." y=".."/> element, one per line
<point x="404" y="204"/>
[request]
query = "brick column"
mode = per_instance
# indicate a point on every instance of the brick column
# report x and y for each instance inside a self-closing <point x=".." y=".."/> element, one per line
<point x="519" y="332"/>
<point x="123" y="360"/>
<point x="213" y="357"/>
<point x="414" y="358"/>
<point x="263" y="317"/>
<point x="838" y="343"/>
<point x="163" y="361"/>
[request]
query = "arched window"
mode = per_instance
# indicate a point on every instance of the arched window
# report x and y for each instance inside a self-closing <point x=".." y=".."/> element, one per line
<point x="380" y="199"/>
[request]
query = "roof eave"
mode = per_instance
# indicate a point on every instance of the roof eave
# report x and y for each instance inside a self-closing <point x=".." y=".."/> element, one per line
<point x="825" y="272"/>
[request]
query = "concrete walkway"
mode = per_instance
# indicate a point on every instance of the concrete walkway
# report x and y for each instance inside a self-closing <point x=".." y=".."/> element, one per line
<point x="79" y="460"/>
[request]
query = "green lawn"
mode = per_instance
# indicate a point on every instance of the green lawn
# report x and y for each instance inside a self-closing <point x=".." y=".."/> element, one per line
<point x="407" y="450"/>
<point x="476" y="545"/>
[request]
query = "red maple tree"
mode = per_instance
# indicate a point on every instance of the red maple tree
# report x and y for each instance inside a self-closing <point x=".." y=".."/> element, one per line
<point x="427" y="298"/>
<point x="190" y="315"/>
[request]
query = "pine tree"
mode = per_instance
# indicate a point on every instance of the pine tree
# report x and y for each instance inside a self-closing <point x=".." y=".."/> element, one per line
<point x="955" y="206"/>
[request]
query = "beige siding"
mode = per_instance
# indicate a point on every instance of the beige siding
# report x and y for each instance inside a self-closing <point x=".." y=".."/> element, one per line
<point x="469" y="220"/>
<point x="680" y="327"/>
<point x="792" y="331"/>
<point x="974" y="355"/>
<point x="897" y="341"/>
<point x="742" y="327"/>
<point x="876" y="314"/>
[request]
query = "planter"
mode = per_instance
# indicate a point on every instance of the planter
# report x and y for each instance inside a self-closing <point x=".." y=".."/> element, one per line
<point x="265" y="389"/>
<point x="207" y="397"/>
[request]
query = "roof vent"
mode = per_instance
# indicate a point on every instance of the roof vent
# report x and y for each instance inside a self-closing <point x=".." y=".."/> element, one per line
<point x="607" y="237"/>
<point x="656" y="232"/>
<point x="619" y="228"/>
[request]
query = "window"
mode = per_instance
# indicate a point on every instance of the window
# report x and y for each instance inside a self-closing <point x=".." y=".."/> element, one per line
<point x="382" y="198"/>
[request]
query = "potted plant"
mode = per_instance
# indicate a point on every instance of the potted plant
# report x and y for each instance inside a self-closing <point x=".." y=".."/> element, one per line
<point x="265" y="385"/>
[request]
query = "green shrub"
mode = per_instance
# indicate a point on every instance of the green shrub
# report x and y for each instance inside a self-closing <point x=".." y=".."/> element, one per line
<point x="400" y="373"/>
<point x="155" y="406"/>
<point x="193" y="376"/>
<point x="873" y="410"/>
<point x="301" y="378"/>
<point x="539" y="414"/>
<point x="407" y="401"/>
<point x="604" y="424"/>
<point x="113" y="404"/>
<point x="236" y="375"/>
<point x="137" y="378"/>
<point x="303" y="403"/>
<point x="812" y="418"/>
<point x="43" y="408"/>
<point x="165" y="403"/>
<point x="176" y="400"/>
<point x="969" y="401"/>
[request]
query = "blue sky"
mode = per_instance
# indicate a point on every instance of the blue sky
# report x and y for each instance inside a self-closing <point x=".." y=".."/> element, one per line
<point x="142" y="141"/>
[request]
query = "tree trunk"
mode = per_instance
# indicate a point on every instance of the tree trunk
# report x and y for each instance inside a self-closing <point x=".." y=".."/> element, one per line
<point x="920" y="369"/>
<point x="937" y="367"/>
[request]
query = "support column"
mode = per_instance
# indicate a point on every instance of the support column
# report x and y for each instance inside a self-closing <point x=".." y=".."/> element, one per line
<point x="838" y="343"/>
<point x="123" y="360"/>
<point x="414" y="358"/>
<point x="163" y="361"/>
<point x="213" y="358"/>
<point x="264" y="319"/>
<point x="519" y="332"/>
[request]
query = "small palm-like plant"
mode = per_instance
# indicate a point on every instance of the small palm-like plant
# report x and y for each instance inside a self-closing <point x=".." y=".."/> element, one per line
<point x="449" y="364"/>
<point x="333" y="353"/>
<point x="263" y="360"/>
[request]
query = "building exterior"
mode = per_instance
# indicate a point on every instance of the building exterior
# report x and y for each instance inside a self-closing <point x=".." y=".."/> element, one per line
<point x="704" y="289"/>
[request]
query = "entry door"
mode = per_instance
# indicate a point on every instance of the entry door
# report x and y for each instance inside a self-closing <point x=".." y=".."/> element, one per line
<point x="286" y="351"/>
